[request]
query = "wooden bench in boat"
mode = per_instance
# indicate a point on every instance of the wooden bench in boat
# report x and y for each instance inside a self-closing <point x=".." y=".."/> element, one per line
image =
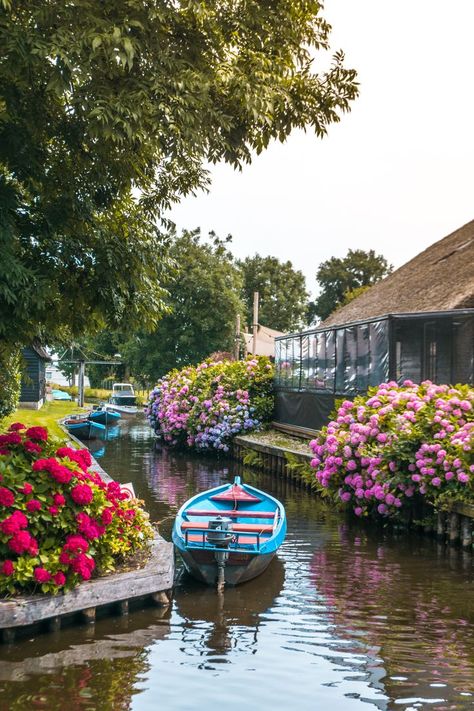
<point x="251" y="539"/>
<point x="234" y="513"/>
<point x="238" y="527"/>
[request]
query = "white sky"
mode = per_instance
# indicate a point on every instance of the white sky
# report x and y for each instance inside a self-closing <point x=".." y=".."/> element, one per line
<point x="395" y="175"/>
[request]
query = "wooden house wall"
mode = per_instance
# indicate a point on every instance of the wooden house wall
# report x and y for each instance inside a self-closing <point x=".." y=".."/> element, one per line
<point x="33" y="384"/>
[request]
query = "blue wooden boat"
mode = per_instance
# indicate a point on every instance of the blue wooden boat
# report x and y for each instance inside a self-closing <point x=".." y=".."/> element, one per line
<point x="84" y="428"/>
<point x="229" y="534"/>
<point x="104" y="416"/>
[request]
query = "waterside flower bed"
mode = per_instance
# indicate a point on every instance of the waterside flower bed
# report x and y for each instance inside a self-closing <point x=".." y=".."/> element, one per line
<point x="399" y="445"/>
<point x="204" y="407"/>
<point x="60" y="523"/>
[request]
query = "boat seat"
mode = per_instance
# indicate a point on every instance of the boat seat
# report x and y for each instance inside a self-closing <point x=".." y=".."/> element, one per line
<point x="234" y="513"/>
<point x="237" y="527"/>
<point x="250" y="540"/>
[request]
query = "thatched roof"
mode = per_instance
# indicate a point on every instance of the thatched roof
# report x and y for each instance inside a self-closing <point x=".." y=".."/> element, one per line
<point x="439" y="279"/>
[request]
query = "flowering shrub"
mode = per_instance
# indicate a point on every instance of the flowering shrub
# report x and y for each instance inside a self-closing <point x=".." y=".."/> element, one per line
<point x="59" y="522"/>
<point x="206" y="406"/>
<point x="399" y="442"/>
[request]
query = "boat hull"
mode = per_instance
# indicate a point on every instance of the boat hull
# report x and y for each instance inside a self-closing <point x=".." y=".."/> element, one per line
<point x="105" y="417"/>
<point x="239" y="567"/>
<point x="86" y="430"/>
<point x="123" y="410"/>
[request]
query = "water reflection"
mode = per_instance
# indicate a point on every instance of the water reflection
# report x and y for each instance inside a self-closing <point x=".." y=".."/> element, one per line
<point x="411" y="598"/>
<point x="92" y="667"/>
<point x="346" y="618"/>
<point x="232" y="618"/>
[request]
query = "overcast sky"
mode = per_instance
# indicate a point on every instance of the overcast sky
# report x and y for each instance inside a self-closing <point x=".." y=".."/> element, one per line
<point x="395" y="175"/>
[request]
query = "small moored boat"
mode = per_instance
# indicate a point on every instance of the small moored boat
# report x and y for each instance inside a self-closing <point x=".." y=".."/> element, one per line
<point x="104" y="416"/>
<point x="84" y="428"/>
<point x="229" y="534"/>
<point x="123" y="399"/>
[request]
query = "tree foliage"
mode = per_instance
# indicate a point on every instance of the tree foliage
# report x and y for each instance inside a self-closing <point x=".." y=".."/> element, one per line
<point x="104" y="101"/>
<point x="282" y="292"/>
<point x="10" y="379"/>
<point x="203" y="300"/>
<point x="342" y="279"/>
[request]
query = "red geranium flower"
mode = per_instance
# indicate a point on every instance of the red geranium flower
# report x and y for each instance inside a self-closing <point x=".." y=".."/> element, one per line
<point x="27" y="488"/>
<point x="10" y="438"/>
<point x="32" y="446"/>
<point x="41" y="575"/>
<point x="17" y="426"/>
<point x="7" y="567"/>
<point x="13" y="523"/>
<point x="21" y="542"/>
<point x="6" y="497"/>
<point x="33" y="505"/>
<point x="59" y="578"/>
<point x="59" y="500"/>
<point x="82" y="494"/>
<point x="39" y="433"/>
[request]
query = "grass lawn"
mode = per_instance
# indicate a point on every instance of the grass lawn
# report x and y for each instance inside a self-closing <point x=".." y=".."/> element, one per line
<point x="46" y="417"/>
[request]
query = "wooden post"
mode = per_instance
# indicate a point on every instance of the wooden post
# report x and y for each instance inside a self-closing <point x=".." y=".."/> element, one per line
<point x="123" y="607"/>
<point x="89" y="615"/>
<point x="453" y="528"/>
<point x="255" y="323"/>
<point x="54" y="624"/>
<point x="466" y="532"/>
<point x="237" y="338"/>
<point x="440" y="524"/>
<point x="80" y="383"/>
<point x="9" y="635"/>
<point x="160" y="599"/>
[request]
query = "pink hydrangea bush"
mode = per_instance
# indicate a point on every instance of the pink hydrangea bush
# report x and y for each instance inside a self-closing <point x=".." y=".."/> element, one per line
<point x="204" y="407"/>
<point x="59" y="522"/>
<point x="399" y="444"/>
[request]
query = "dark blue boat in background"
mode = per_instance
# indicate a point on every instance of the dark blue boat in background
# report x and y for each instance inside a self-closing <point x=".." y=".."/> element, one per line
<point x="229" y="534"/>
<point x="84" y="428"/>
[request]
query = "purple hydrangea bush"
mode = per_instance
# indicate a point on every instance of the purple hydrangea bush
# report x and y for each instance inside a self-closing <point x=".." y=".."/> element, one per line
<point x="397" y="444"/>
<point x="205" y="406"/>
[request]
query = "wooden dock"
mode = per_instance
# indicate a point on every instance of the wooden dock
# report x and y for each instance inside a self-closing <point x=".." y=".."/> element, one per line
<point x="112" y="593"/>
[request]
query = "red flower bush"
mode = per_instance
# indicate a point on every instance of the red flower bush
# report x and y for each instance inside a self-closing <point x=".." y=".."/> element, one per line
<point x="59" y="522"/>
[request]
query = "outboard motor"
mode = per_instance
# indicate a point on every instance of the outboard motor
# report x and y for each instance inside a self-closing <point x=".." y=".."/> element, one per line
<point x="219" y="532"/>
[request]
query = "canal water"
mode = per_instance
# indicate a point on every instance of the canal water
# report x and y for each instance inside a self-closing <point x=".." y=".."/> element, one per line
<point x="347" y="617"/>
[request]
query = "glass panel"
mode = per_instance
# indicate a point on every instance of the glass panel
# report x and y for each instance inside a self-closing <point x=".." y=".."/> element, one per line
<point x="408" y="347"/>
<point x="363" y="358"/>
<point x="378" y="338"/>
<point x="305" y="362"/>
<point x="463" y="350"/>
<point x="350" y="359"/>
<point x="340" y="364"/>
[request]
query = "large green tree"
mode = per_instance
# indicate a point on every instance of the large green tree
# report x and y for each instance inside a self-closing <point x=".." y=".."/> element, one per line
<point x="341" y="279"/>
<point x="108" y="113"/>
<point x="204" y="300"/>
<point x="282" y="292"/>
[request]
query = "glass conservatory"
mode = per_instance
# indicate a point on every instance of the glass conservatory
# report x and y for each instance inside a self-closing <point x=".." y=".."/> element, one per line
<point x="317" y="367"/>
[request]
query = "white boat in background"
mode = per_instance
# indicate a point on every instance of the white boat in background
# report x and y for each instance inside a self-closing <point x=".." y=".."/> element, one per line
<point x="123" y="399"/>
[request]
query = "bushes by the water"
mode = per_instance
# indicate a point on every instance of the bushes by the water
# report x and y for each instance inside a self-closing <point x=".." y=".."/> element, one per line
<point x="59" y="522"/>
<point x="397" y="444"/>
<point x="204" y="407"/>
